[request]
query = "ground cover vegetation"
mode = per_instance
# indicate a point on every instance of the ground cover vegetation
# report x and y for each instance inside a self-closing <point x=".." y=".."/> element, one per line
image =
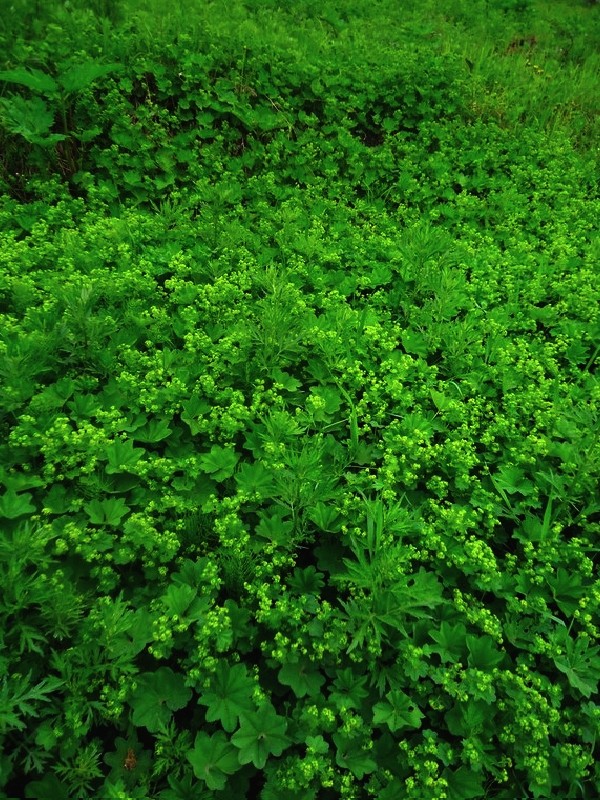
<point x="299" y="407"/>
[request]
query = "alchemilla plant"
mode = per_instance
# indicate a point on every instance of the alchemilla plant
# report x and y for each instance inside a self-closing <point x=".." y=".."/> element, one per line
<point x="299" y="404"/>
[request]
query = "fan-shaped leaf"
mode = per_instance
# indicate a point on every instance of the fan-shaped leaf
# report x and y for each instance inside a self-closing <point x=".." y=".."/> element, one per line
<point x="213" y="758"/>
<point x="158" y="694"/>
<point x="229" y="695"/>
<point x="261" y="734"/>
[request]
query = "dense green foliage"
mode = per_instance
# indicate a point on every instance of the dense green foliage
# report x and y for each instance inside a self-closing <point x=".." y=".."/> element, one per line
<point x="299" y="407"/>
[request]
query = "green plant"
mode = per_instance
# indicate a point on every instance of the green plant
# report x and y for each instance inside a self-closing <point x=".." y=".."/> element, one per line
<point x="35" y="118"/>
<point x="299" y="409"/>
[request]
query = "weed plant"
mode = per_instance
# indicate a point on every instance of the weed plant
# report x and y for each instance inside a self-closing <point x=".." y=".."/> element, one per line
<point x="299" y="406"/>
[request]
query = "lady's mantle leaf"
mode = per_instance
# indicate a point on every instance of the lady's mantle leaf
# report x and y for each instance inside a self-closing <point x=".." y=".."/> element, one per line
<point x="483" y="653"/>
<point x="252" y="478"/>
<point x="567" y="590"/>
<point x="512" y="479"/>
<point x="122" y="456"/>
<point x="193" y="410"/>
<point x="230" y="695"/>
<point x="122" y="767"/>
<point x="580" y="663"/>
<point x="349" y="689"/>
<point x="325" y="517"/>
<point x="158" y="694"/>
<point x="276" y="528"/>
<point x="464" y="784"/>
<point x="178" y="599"/>
<point x="109" y="512"/>
<point x="155" y="430"/>
<point x="398" y="711"/>
<point x="302" y="677"/>
<point x="414" y="343"/>
<point x="317" y="744"/>
<point x="213" y="758"/>
<point x="48" y="786"/>
<point x="220" y="462"/>
<point x="351" y="755"/>
<point x="306" y="581"/>
<point x="466" y="719"/>
<point x="261" y="734"/>
<point x="13" y="505"/>
<point x="451" y="640"/>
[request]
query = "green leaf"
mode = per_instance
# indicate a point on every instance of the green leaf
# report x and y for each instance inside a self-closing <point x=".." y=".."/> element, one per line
<point x="392" y="791"/>
<point x="13" y="505"/>
<point x="255" y="478"/>
<point x="107" y="512"/>
<point x="483" y="653"/>
<point x="421" y="589"/>
<point x="317" y="744"/>
<point x="155" y="430"/>
<point x="277" y="528"/>
<point x="303" y="677"/>
<point x="289" y="384"/>
<point x="306" y="581"/>
<point x="57" y="501"/>
<point x="178" y="599"/>
<point x="158" y="694"/>
<point x="465" y="719"/>
<point x="464" y="784"/>
<point x="220" y="462"/>
<point x="261" y="734"/>
<point x="451" y="641"/>
<point x="190" y="573"/>
<point x="589" y="731"/>
<point x="18" y="699"/>
<point x="213" y="759"/>
<point x="398" y="712"/>
<point x="193" y="410"/>
<point x="229" y="695"/>
<point x="379" y="276"/>
<point x="19" y="481"/>
<point x="184" y="789"/>
<point x="139" y="633"/>
<point x="567" y="590"/>
<point x="580" y="663"/>
<point x="48" y="786"/>
<point x="30" y="118"/>
<point x="442" y="401"/>
<point x="33" y="79"/>
<point x="325" y="517"/>
<point x="352" y="755"/>
<point x="331" y="401"/>
<point x="45" y="736"/>
<point x="200" y="488"/>
<point x="511" y="479"/>
<point x="122" y="456"/>
<point x="80" y="76"/>
<point x="349" y="689"/>
<point x="116" y="760"/>
<point x="414" y="343"/>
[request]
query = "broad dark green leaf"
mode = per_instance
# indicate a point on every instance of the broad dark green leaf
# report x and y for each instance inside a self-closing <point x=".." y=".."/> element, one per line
<point x="261" y="734"/>
<point x="80" y="76"/>
<point x="33" y="79"/>
<point x="158" y="694"/>
<point x="303" y="677"/>
<point x="213" y="759"/>
<point x="229" y="695"/>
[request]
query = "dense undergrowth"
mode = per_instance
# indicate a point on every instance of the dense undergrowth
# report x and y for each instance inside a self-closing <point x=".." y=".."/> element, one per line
<point x="299" y="406"/>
